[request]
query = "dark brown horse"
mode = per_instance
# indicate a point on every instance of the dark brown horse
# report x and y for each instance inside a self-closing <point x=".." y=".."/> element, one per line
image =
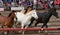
<point x="7" y="22"/>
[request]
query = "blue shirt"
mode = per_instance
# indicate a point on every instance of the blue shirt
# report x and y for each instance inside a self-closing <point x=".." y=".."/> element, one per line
<point x="28" y="3"/>
<point x="9" y="1"/>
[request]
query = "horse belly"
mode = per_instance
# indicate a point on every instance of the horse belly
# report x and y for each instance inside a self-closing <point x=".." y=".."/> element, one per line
<point x="20" y="19"/>
<point x="40" y="20"/>
<point x="26" y="22"/>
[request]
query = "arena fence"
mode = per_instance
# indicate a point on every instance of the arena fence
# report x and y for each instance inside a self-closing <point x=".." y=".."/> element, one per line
<point x="17" y="29"/>
<point x="29" y="29"/>
<point x="16" y="8"/>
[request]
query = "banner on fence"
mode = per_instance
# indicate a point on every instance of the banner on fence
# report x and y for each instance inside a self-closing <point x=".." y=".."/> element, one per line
<point x="17" y="8"/>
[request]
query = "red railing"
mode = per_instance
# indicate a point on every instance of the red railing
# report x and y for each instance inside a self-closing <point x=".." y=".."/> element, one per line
<point x="16" y="29"/>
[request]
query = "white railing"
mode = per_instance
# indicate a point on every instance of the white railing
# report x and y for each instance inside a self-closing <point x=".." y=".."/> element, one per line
<point x="1" y="9"/>
<point x="17" y="8"/>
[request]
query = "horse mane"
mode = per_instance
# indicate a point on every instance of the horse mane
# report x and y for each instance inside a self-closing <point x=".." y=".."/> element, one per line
<point x="52" y="9"/>
<point x="11" y="13"/>
<point x="27" y="9"/>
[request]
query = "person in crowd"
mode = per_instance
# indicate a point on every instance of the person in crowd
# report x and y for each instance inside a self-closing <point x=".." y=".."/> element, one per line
<point x="13" y="4"/>
<point x="20" y="2"/>
<point x="28" y="3"/>
<point x="34" y="3"/>
<point x="1" y="3"/>
<point x="48" y="3"/>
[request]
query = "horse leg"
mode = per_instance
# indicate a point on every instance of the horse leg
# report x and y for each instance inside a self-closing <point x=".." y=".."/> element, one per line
<point x="31" y="22"/>
<point x="6" y="32"/>
<point x="2" y="26"/>
<point x="15" y="23"/>
<point x="46" y="32"/>
<point x="2" y="31"/>
<point x="36" y="23"/>
<point x="26" y="26"/>
<point x="22" y="26"/>
<point x="24" y="30"/>
<point x="44" y="25"/>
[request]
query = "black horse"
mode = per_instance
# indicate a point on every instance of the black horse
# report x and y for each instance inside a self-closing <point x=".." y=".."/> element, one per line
<point x="45" y="17"/>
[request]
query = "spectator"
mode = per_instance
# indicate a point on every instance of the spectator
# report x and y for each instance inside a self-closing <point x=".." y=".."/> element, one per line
<point x="1" y="3"/>
<point x="49" y="4"/>
<point x="20" y="2"/>
<point x="28" y="3"/>
<point x="9" y="4"/>
<point x="13" y="4"/>
<point x="17" y="1"/>
<point x="40" y="4"/>
<point x="34" y="3"/>
<point x="9" y="1"/>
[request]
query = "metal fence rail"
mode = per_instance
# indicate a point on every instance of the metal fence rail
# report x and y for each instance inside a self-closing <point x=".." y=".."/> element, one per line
<point x="15" y="29"/>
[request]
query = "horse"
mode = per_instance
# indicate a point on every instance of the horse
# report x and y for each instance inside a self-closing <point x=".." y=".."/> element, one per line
<point x="45" y="17"/>
<point x="24" y="19"/>
<point x="7" y="22"/>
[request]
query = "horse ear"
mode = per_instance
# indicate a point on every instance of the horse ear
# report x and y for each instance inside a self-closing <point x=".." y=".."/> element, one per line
<point x="13" y="11"/>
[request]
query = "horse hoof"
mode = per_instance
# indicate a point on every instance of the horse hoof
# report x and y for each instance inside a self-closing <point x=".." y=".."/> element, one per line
<point x="46" y="31"/>
<point x="42" y="29"/>
<point x="5" y="33"/>
<point x="39" y="31"/>
<point x="19" y="31"/>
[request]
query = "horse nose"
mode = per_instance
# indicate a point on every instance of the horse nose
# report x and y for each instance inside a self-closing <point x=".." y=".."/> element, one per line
<point x="36" y="17"/>
<point x="57" y="17"/>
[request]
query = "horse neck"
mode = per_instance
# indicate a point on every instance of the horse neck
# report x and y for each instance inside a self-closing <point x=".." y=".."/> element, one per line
<point x="49" y="15"/>
<point x="28" y="16"/>
<point x="11" y="16"/>
<point x="27" y="12"/>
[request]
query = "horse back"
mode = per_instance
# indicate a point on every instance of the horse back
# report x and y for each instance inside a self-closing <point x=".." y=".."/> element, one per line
<point x="41" y="16"/>
<point x="2" y="18"/>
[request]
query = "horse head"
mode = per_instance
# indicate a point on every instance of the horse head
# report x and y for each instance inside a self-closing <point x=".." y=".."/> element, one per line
<point x="34" y="14"/>
<point x="54" y="13"/>
<point x="12" y="14"/>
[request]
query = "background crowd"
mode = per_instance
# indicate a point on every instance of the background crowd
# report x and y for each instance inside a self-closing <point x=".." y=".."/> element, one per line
<point x="35" y="3"/>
